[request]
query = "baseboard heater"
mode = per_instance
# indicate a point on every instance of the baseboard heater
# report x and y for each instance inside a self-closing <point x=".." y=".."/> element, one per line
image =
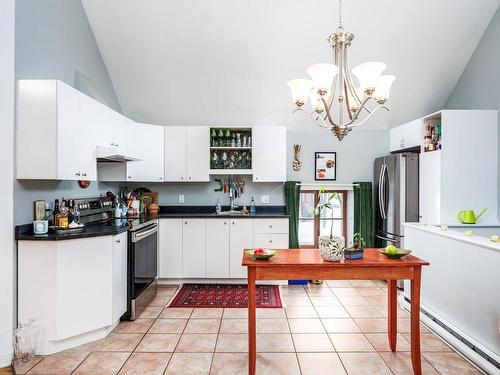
<point x="458" y="337"/>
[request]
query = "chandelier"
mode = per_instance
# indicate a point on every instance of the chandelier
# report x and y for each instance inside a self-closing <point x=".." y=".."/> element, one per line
<point x="336" y="103"/>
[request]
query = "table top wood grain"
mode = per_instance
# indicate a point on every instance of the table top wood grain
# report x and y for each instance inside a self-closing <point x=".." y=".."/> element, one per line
<point x="312" y="257"/>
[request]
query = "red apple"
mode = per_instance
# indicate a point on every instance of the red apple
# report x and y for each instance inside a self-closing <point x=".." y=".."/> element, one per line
<point x="259" y="252"/>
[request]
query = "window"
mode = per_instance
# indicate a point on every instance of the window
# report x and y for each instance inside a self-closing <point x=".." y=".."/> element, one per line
<point x="311" y="227"/>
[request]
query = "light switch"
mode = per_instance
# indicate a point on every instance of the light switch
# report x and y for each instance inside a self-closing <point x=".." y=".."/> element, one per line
<point x="181" y="198"/>
<point x="264" y="199"/>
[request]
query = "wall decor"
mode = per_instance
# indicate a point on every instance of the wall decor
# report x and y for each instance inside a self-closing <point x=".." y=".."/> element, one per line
<point x="296" y="159"/>
<point x="84" y="183"/>
<point x="325" y="166"/>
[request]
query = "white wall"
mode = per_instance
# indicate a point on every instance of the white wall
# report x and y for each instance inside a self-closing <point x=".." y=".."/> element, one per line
<point x="478" y="86"/>
<point x="7" y="21"/>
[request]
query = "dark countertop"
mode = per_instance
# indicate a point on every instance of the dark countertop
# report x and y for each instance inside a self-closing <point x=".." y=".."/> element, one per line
<point x="209" y="212"/>
<point x="25" y="232"/>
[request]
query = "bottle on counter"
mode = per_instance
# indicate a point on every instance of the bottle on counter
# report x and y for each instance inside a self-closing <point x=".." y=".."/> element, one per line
<point x="218" y="207"/>
<point x="48" y="214"/>
<point x="55" y="213"/>
<point x="253" y="208"/>
<point x="62" y="217"/>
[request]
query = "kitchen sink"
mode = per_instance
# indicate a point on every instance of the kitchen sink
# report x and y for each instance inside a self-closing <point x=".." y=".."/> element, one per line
<point x="230" y="213"/>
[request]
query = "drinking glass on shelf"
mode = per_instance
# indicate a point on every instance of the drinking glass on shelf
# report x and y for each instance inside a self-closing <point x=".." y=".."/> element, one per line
<point x="238" y="140"/>
<point x="221" y="137"/>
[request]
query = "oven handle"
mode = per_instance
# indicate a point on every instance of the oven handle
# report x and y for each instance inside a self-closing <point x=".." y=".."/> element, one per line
<point x="138" y="236"/>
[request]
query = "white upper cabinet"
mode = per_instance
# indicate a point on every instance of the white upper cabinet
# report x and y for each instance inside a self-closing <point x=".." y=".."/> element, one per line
<point x="146" y="143"/>
<point x="198" y="154"/>
<point x="269" y="154"/>
<point x="175" y="153"/>
<point x="54" y="132"/>
<point x="187" y="154"/>
<point x="406" y="136"/>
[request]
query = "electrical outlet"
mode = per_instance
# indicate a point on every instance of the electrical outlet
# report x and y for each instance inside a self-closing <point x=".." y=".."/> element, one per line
<point x="264" y="199"/>
<point x="181" y="198"/>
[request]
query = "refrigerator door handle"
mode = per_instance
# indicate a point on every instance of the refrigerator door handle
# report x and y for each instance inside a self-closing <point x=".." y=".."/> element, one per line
<point x="386" y="239"/>
<point x="382" y="194"/>
<point x="380" y="190"/>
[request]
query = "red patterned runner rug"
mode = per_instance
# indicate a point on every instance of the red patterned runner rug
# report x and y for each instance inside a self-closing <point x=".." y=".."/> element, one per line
<point x="225" y="295"/>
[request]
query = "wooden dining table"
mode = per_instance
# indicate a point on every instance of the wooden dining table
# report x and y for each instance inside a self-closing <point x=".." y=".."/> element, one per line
<point x="307" y="264"/>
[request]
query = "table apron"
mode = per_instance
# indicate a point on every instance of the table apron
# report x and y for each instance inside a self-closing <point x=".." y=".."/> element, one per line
<point x="291" y="272"/>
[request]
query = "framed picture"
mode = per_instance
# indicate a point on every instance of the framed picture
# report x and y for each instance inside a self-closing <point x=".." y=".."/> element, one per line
<point x="325" y="166"/>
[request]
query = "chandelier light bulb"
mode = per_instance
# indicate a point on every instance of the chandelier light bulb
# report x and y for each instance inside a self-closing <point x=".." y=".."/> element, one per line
<point x="353" y="102"/>
<point x="316" y="102"/>
<point x="322" y="76"/>
<point x="383" y="89"/>
<point x="368" y="75"/>
<point x="300" y="88"/>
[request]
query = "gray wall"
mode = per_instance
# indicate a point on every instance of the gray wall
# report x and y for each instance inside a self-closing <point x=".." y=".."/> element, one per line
<point x="478" y="86"/>
<point x="355" y="156"/>
<point x="54" y="41"/>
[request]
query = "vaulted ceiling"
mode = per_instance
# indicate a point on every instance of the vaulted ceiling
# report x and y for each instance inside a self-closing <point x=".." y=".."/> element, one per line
<point x="226" y="62"/>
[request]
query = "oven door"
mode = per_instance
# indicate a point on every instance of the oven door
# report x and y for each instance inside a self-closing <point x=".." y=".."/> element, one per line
<point x="144" y="243"/>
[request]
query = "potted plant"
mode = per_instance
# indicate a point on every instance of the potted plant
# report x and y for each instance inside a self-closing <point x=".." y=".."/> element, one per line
<point x="355" y="251"/>
<point x="331" y="247"/>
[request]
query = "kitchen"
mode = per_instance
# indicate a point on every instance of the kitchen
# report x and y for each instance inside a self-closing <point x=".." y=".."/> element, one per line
<point x="140" y="164"/>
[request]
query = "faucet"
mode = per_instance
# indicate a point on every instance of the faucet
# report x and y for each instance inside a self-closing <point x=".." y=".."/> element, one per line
<point x="232" y="206"/>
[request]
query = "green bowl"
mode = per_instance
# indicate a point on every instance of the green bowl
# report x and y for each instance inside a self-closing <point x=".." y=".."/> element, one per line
<point x="399" y="254"/>
<point x="269" y="253"/>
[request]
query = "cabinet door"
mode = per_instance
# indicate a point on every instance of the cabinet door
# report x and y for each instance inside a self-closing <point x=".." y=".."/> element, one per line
<point x="396" y="135"/>
<point x="240" y="238"/>
<point x="194" y="247"/>
<point x="217" y="248"/>
<point x="175" y="153"/>
<point x="121" y="125"/>
<point x="198" y="153"/>
<point x="269" y="154"/>
<point x="119" y="276"/>
<point x="170" y="248"/>
<point x="430" y="187"/>
<point x="90" y="122"/>
<point x="270" y="226"/>
<point x="412" y="134"/>
<point x="68" y="122"/>
<point x="146" y="143"/>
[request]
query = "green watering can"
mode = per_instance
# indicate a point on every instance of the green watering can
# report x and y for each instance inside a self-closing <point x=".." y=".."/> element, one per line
<point x="468" y="216"/>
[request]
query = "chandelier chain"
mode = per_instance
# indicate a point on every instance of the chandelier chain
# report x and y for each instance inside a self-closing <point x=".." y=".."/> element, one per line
<point x="340" y="15"/>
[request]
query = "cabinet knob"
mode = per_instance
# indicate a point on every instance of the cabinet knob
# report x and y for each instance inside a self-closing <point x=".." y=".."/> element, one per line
<point x="185" y="222"/>
<point x="118" y="241"/>
<point x="270" y="241"/>
<point x="84" y="174"/>
<point x="190" y="177"/>
<point x="225" y="223"/>
<point x="270" y="226"/>
<point x="129" y="177"/>
<point x="77" y="174"/>
<point x="161" y="178"/>
<point x="117" y="145"/>
<point x="182" y="178"/>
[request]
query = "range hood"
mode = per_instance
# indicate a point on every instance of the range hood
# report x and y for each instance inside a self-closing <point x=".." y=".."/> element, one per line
<point x="112" y="155"/>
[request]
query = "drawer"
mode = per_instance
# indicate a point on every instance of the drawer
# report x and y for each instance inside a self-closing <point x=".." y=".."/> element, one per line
<point x="271" y="241"/>
<point x="269" y="226"/>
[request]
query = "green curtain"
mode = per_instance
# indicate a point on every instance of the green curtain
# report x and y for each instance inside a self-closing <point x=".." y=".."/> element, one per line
<point x="292" y="199"/>
<point x="363" y="213"/>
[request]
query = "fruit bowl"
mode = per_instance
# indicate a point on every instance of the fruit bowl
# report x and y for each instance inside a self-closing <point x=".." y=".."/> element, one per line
<point x="261" y="255"/>
<point x="395" y="255"/>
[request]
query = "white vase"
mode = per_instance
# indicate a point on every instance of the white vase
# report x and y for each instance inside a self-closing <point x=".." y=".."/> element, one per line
<point x="331" y="250"/>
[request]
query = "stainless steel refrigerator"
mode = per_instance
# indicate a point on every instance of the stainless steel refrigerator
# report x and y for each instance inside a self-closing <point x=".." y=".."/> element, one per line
<point x="395" y="197"/>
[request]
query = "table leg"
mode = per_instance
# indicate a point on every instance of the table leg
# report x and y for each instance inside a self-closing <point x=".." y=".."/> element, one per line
<point x="392" y="315"/>
<point x="252" y="344"/>
<point x="415" y="322"/>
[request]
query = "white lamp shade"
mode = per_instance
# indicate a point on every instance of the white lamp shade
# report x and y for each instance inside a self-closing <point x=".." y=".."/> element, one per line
<point x="383" y="89"/>
<point x="322" y="76"/>
<point x="368" y="74"/>
<point x="316" y="102"/>
<point x="301" y="88"/>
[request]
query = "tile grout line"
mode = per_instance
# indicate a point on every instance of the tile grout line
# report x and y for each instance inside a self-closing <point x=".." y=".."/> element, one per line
<point x="216" y="340"/>
<point x="291" y="336"/>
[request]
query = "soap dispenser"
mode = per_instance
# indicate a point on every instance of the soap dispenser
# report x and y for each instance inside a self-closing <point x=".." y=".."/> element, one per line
<point x="252" y="206"/>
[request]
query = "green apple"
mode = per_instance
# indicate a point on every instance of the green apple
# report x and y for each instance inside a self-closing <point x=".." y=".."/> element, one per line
<point x="391" y="249"/>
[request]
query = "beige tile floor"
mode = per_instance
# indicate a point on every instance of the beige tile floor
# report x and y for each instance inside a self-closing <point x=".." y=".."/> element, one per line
<point x="339" y="327"/>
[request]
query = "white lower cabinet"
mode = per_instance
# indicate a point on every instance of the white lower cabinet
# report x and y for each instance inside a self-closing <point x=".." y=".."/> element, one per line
<point x="218" y="248"/>
<point x="170" y="248"/>
<point x="241" y="237"/>
<point x="194" y="246"/>
<point x="119" y="276"/>
<point x="271" y="241"/>
<point x="213" y="248"/>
